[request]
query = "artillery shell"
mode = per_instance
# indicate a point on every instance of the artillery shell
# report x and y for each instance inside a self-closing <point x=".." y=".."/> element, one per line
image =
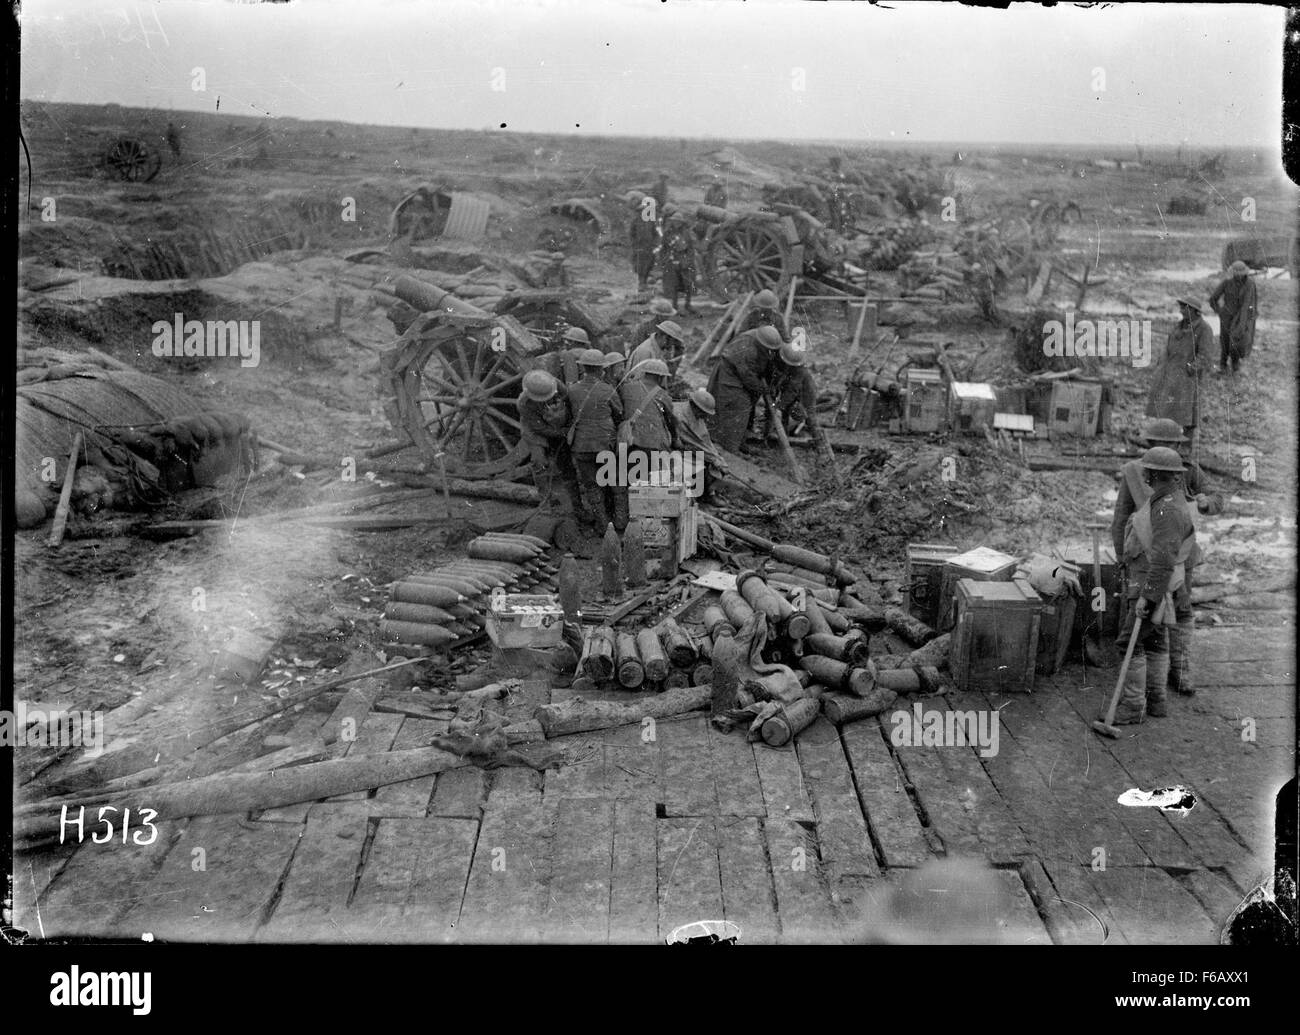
<point x="424" y="593"/>
<point x="413" y="632"/>
<point x="425" y="614"/>
<point x="500" y="550"/>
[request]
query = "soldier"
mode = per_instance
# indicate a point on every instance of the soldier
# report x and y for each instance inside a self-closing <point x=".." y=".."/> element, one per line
<point x="174" y="139"/>
<point x="563" y="363"/>
<point x="795" y="390"/>
<point x="1133" y="492"/>
<point x="716" y="193"/>
<point x="1175" y="392"/>
<point x="693" y="415"/>
<point x="765" y="311"/>
<point x="660" y="310"/>
<point x="667" y="344"/>
<point x="544" y="423"/>
<point x="597" y="413"/>
<point x="1159" y="541"/>
<point x="644" y="236"/>
<point x="660" y="193"/>
<point x="677" y="259"/>
<point x="739" y="381"/>
<point x="1236" y="300"/>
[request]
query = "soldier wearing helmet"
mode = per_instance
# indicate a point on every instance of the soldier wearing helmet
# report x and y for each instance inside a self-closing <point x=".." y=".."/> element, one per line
<point x="660" y="310"/>
<point x="666" y="344"/>
<point x="793" y="388"/>
<point x="693" y="415"/>
<point x="1158" y="543"/>
<point x="643" y="234"/>
<point x="765" y="310"/>
<point x="544" y="423"/>
<point x="1236" y="300"/>
<point x="1175" y="389"/>
<point x="1133" y="492"/>
<point x="650" y="423"/>
<point x="677" y="260"/>
<point x="563" y="362"/>
<point x="597" y="413"/>
<point x="742" y="377"/>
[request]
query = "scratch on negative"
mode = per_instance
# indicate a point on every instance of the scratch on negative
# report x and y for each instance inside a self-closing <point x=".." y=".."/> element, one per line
<point x="683" y="849"/>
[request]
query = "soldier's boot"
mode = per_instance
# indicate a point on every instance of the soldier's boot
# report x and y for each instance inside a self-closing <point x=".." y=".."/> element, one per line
<point x="1132" y="700"/>
<point x="621" y="516"/>
<point x="1180" y="657"/>
<point x="1157" y="681"/>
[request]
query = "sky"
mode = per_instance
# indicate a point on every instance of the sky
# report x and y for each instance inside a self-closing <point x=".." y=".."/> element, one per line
<point x="1147" y="74"/>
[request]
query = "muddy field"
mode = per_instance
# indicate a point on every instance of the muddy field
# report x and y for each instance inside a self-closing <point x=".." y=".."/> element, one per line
<point x="102" y="619"/>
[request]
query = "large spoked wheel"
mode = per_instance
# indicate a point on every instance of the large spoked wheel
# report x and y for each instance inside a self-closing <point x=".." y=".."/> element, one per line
<point x="1017" y="238"/>
<point x="548" y="318"/>
<point x="133" y="160"/>
<point x="750" y="256"/>
<point x="456" y="396"/>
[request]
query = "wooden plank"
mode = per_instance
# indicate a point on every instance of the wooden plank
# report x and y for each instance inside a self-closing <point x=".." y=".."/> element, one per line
<point x="376" y="735"/>
<point x="948" y="813"/>
<point x="735" y="775"/>
<point x="1017" y="918"/>
<point x="515" y="785"/>
<point x="581" y="872"/>
<point x="411" y="797"/>
<point x="414" y="880"/>
<point x="1075" y="912"/>
<point x="690" y="884"/>
<point x="748" y="895"/>
<point x="459" y="793"/>
<point x="1152" y="908"/>
<point x="633" y="896"/>
<point x="841" y="828"/>
<point x="308" y="726"/>
<point x="313" y="902"/>
<point x="1233" y="674"/>
<point x="784" y="794"/>
<point x="894" y="824"/>
<point x="802" y="899"/>
<point x="225" y="901"/>
<point x="99" y="883"/>
<point x="1215" y="893"/>
<point x="507" y="890"/>
<point x="685" y="786"/>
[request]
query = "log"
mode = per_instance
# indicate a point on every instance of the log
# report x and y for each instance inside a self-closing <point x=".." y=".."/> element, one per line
<point x="742" y="534"/>
<point x="599" y="663"/>
<point x="911" y="629"/>
<point x="246" y="792"/>
<point x="65" y="497"/>
<point x="841" y="708"/>
<point x="677" y="645"/>
<point x="631" y="673"/>
<point x="715" y="622"/>
<point x="579" y="716"/>
<point x="653" y="659"/>
<point x="813" y="562"/>
<point x="781" y="728"/>
<point x="776" y="421"/>
<point x="850" y="649"/>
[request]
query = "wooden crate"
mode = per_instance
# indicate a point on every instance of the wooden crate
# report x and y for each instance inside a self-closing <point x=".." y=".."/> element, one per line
<point x="1055" y="630"/>
<point x="980" y="564"/>
<point x="995" y="639"/>
<point x="925" y="564"/>
<point x="926" y="408"/>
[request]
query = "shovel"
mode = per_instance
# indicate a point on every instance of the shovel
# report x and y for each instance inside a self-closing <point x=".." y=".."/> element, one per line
<point x="1106" y="726"/>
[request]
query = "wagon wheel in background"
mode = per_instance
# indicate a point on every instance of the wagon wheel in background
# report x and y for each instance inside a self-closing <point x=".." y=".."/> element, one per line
<point x="1017" y="239"/>
<point x="132" y="159"/>
<point x="548" y="316"/>
<point x="456" y="395"/>
<point x="749" y="255"/>
<point x="1046" y="223"/>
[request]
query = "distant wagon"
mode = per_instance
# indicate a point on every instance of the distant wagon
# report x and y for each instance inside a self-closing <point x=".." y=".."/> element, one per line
<point x="1262" y="253"/>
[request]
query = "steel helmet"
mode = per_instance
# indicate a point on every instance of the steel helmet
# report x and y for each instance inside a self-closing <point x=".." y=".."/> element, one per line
<point x="673" y="330"/>
<point x="766" y="299"/>
<point x="591" y="358"/>
<point x="701" y="398"/>
<point x="1188" y="301"/>
<point x="614" y="358"/>
<point x="1162" y="458"/>
<point x="656" y="367"/>
<point x="662" y="307"/>
<point x="769" y="337"/>
<point x="539" y="385"/>
<point x="1163" y="430"/>
<point x="577" y="334"/>
<point x="793" y="353"/>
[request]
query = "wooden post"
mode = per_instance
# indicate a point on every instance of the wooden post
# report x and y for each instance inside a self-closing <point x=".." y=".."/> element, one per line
<point x="868" y="308"/>
<point x="789" y="302"/>
<point x="741" y="313"/>
<point x="796" y="473"/>
<point x="65" y="497"/>
<point x="705" y="347"/>
<point x="1083" y="289"/>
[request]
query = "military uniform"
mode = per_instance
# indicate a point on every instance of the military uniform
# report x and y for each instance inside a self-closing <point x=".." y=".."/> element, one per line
<point x="737" y="383"/>
<point x="1133" y="492"/>
<point x="1174" y="392"/>
<point x="693" y="437"/>
<point x="678" y="264"/>
<point x="1159" y="542"/>
<point x="597" y="413"/>
<point x="796" y="394"/>
<point x="544" y="430"/>
<point x="650" y="349"/>
<point x="756" y="318"/>
<point x="1236" y="300"/>
<point x="644" y="236"/>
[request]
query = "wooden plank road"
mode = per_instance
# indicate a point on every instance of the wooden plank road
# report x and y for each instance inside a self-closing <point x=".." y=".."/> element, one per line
<point x="659" y="825"/>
